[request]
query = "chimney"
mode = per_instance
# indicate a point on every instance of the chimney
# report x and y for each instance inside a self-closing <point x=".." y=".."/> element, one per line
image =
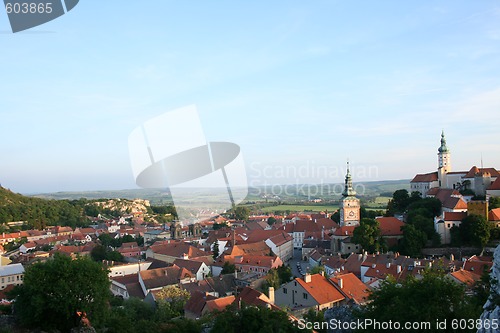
<point x="185" y="256"/>
<point x="388" y="265"/>
<point x="341" y="283"/>
<point x="322" y="273"/>
<point x="271" y="294"/>
<point x="398" y="269"/>
<point x="307" y="278"/>
<point x="452" y="257"/>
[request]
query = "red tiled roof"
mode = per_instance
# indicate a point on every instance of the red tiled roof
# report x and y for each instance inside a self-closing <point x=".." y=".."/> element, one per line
<point x="321" y="290"/>
<point x="259" y="248"/>
<point x="425" y="178"/>
<point x="390" y="226"/>
<point x="477" y="266"/>
<point x="305" y="225"/>
<point x="494" y="214"/>
<point x="4" y="292"/>
<point x="352" y="287"/>
<point x="466" y="277"/>
<point x="454" y="216"/>
<point x="455" y="203"/>
<point x="475" y="170"/>
<point x="161" y="277"/>
<point x="178" y="249"/>
<point x="327" y="223"/>
<point x="197" y="302"/>
<point x="281" y="238"/>
<point x="219" y="304"/>
<point x="495" y="186"/>
<point x="259" y="261"/>
<point x="191" y="265"/>
<point x="254" y="297"/>
<point x="345" y="230"/>
<point x="261" y="235"/>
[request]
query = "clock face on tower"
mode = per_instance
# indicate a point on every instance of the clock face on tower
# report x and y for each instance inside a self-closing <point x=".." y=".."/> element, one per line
<point x="351" y="215"/>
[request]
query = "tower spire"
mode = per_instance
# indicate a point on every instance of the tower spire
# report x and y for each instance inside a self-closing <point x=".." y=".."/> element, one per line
<point x="443" y="148"/>
<point x="348" y="189"/>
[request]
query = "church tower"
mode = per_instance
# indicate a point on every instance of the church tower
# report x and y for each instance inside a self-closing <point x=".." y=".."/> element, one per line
<point x="349" y="205"/>
<point x="444" y="161"/>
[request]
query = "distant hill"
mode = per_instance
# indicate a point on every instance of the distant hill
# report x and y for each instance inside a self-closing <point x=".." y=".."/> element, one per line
<point x="285" y="192"/>
<point x="37" y="212"/>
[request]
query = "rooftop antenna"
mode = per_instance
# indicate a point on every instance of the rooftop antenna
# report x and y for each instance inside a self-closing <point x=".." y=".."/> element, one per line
<point x="482" y="161"/>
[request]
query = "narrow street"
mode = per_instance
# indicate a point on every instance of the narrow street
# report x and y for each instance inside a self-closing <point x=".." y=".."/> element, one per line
<point x="304" y="266"/>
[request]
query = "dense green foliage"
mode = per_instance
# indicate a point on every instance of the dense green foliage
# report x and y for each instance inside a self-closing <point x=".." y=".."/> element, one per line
<point x="413" y="241"/>
<point x="253" y="319"/>
<point x="100" y="253"/>
<point x="367" y="234"/>
<point x="494" y="202"/>
<point x="434" y="297"/>
<point x="228" y="268"/>
<point x="276" y="277"/>
<point x="271" y="220"/>
<point x="106" y="240"/>
<point x="134" y="315"/>
<point x="419" y="229"/>
<point x="164" y="210"/>
<point x="474" y="230"/>
<point x="400" y="201"/>
<point x="55" y="290"/>
<point x="40" y="213"/>
<point x="215" y="251"/>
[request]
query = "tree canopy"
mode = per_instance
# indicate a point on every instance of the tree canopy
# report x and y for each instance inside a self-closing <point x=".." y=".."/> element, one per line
<point x="367" y="234"/>
<point x="55" y="290"/>
<point x="413" y="241"/>
<point x="400" y="201"/>
<point x="434" y="297"/>
<point x="474" y="230"/>
<point x="253" y="319"/>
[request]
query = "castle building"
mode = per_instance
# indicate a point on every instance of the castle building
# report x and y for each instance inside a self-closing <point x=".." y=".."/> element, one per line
<point x="478" y="180"/>
<point x="349" y="205"/>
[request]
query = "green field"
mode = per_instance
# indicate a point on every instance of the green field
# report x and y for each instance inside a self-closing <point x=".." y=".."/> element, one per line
<point x="299" y="208"/>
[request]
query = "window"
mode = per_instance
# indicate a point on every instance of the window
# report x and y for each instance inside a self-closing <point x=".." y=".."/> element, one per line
<point x="304" y="295"/>
<point x="285" y="291"/>
<point x="295" y="284"/>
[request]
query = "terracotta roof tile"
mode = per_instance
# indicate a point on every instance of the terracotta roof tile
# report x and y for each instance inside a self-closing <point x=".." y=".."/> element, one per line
<point x="345" y="230"/>
<point x="466" y="277"/>
<point x="197" y="302"/>
<point x="219" y="304"/>
<point x="390" y="226"/>
<point x="494" y="214"/>
<point x="161" y="277"/>
<point x="475" y="170"/>
<point x="352" y="287"/>
<point x="425" y="178"/>
<point x="495" y="186"/>
<point x="454" y="216"/>
<point x="320" y="289"/>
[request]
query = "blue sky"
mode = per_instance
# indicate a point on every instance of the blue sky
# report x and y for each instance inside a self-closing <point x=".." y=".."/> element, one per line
<point x="297" y="84"/>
